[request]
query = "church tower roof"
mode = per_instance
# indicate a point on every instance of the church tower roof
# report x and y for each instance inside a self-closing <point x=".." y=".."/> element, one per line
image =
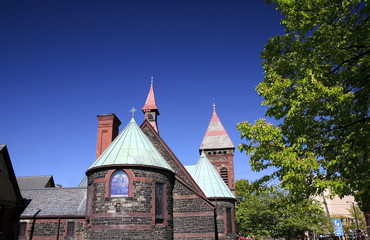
<point x="208" y="179"/>
<point x="216" y="136"/>
<point x="150" y="104"/>
<point x="131" y="147"/>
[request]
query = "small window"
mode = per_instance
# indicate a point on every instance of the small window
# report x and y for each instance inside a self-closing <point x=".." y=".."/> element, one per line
<point x="22" y="229"/>
<point x="224" y="152"/>
<point x="225" y="175"/>
<point x="70" y="229"/>
<point x="228" y="220"/>
<point x="209" y="153"/>
<point x="119" y="184"/>
<point x="159" y="215"/>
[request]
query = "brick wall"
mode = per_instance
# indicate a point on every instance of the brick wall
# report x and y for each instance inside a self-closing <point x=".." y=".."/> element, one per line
<point x="131" y="217"/>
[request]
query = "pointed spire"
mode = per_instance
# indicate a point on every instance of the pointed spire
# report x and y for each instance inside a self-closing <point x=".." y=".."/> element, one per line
<point x="150" y="108"/>
<point x="150" y="104"/>
<point x="216" y="136"/>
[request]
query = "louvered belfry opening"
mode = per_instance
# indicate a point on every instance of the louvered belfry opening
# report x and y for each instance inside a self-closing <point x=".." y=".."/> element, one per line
<point x="225" y="175"/>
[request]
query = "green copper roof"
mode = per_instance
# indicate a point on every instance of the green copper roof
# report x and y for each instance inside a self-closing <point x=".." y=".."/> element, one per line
<point x="208" y="179"/>
<point x="131" y="147"/>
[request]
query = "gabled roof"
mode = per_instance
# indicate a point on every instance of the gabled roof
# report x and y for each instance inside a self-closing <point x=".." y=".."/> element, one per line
<point x="9" y="188"/>
<point x="131" y="147"/>
<point x="150" y="103"/>
<point x="55" y="202"/>
<point x="216" y="136"/>
<point x="35" y="182"/>
<point x="209" y="180"/>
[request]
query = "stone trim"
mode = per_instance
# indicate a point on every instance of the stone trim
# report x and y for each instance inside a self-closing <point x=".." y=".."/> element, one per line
<point x="126" y="226"/>
<point x="194" y="235"/>
<point x="193" y="214"/>
<point x="185" y="197"/>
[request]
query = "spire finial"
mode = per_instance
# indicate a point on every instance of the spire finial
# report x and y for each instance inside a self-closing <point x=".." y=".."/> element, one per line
<point x="214" y="105"/>
<point x="133" y="110"/>
<point x="151" y="80"/>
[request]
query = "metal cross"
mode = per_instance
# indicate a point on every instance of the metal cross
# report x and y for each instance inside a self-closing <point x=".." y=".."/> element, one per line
<point x="133" y="110"/>
<point x="151" y="80"/>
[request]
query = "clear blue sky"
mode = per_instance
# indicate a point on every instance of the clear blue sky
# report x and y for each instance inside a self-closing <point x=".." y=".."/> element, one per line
<point x="64" y="62"/>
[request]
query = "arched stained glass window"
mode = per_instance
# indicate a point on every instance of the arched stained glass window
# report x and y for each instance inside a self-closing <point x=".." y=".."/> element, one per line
<point x="119" y="184"/>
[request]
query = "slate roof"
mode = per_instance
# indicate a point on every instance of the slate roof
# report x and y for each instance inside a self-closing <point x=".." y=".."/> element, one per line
<point x="208" y="179"/>
<point x="131" y="147"/>
<point x="216" y="136"/>
<point x="55" y="202"/>
<point x="35" y="182"/>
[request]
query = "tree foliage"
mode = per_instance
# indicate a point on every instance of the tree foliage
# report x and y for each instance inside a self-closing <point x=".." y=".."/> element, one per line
<point x="272" y="214"/>
<point x="317" y="86"/>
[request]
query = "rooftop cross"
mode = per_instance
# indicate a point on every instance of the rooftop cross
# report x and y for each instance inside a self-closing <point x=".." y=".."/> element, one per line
<point x="151" y="80"/>
<point x="133" y="110"/>
<point x="214" y="105"/>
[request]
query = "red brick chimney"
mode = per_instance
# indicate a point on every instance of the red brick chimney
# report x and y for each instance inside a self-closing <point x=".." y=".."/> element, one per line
<point x="107" y="131"/>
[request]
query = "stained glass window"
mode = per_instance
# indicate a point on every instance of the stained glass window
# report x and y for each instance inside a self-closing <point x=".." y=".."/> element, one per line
<point x="119" y="184"/>
<point x="159" y="201"/>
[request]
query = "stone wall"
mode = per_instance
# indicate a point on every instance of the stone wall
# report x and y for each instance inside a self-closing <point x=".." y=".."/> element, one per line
<point x="221" y="205"/>
<point x="131" y="217"/>
<point x="48" y="229"/>
<point x="193" y="215"/>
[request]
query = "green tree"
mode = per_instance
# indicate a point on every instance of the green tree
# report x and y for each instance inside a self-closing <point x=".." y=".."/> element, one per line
<point x="272" y="214"/>
<point x="317" y="86"/>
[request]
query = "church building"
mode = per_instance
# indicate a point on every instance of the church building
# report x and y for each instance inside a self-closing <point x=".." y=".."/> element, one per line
<point x="138" y="189"/>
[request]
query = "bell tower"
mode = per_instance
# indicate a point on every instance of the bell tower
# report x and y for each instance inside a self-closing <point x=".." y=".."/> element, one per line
<point x="150" y="108"/>
<point x="219" y="149"/>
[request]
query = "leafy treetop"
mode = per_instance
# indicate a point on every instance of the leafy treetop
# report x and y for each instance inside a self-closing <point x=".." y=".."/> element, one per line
<point x="317" y="85"/>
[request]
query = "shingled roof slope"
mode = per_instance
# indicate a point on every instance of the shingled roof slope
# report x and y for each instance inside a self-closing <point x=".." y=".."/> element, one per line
<point x="216" y="136"/>
<point x="55" y="202"/>
<point x="35" y="182"/>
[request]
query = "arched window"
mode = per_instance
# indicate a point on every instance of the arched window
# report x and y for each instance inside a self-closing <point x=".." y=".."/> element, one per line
<point x="119" y="184"/>
<point x="224" y="175"/>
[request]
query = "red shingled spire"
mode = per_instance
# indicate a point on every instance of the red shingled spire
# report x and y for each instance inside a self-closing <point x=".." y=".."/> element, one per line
<point x="219" y="149"/>
<point x="150" y="108"/>
<point x="216" y="136"/>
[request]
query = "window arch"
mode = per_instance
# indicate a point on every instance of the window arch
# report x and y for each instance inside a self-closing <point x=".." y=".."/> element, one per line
<point x="119" y="183"/>
<point x="225" y="175"/>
